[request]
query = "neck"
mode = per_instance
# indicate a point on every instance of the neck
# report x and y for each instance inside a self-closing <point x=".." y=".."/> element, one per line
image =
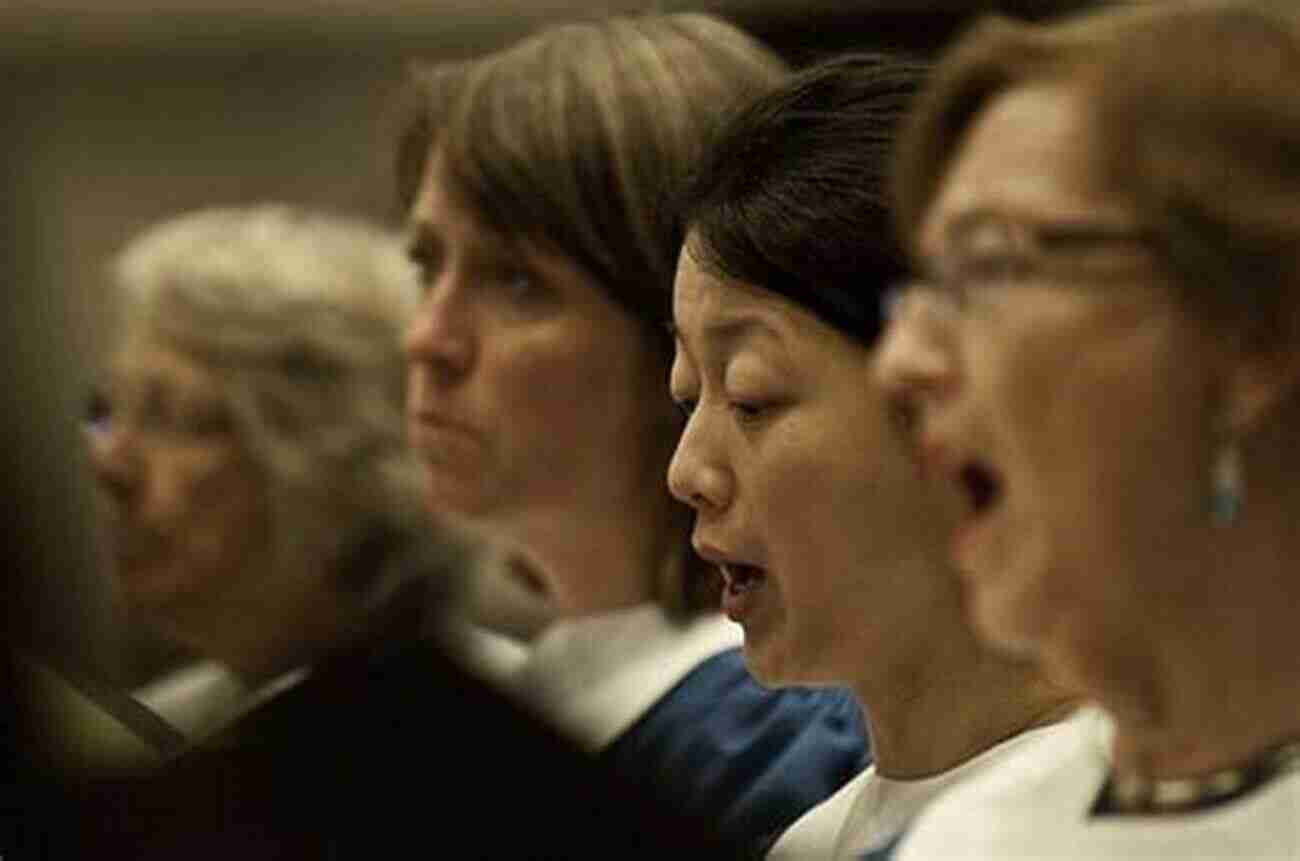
<point x="1209" y="712"/>
<point x="604" y="560"/>
<point x="1222" y="679"/>
<point x="955" y="710"/>
<point x="259" y="643"/>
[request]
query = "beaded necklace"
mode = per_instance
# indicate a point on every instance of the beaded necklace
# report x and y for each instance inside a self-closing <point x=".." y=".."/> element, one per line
<point x="1138" y="794"/>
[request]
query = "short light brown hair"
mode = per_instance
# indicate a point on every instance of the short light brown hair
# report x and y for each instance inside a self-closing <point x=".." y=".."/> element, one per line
<point x="1196" y="112"/>
<point x="576" y="135"/>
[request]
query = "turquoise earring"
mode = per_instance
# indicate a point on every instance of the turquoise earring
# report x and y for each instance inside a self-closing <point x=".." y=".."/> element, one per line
<point x="1228" y="487"/>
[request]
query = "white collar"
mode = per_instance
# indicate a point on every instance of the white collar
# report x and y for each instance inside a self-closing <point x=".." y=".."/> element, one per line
<point x="596" y="675"/>
<point x="204" y="697"/>
<point x="885" y="806"/>
<point x="195" y="698"/>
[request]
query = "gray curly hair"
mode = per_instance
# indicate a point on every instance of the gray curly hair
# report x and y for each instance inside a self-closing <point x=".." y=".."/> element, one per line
<point x="299" y="316"/>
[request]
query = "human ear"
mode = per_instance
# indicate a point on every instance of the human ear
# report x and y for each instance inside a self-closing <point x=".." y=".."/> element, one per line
<point x="1261" y="383"/>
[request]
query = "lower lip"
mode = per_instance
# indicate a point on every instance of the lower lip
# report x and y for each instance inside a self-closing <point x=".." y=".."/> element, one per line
<point x="527" y="580"/>
<point x="430" y="434"/>
<point x="128" y="549"/>
<point x="966" y="538"/>
<point x="738" y="605"/>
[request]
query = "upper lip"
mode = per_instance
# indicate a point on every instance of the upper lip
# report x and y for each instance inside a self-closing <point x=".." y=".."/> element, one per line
<point x="936" y="443"/>
<point x="936" y="459"/>
<point x="715" y="553"/>
<point x="915" y="428"/>
<point x="124" y="543"/>
<point x="434" y="418"/>
<point x="962" y="468"/>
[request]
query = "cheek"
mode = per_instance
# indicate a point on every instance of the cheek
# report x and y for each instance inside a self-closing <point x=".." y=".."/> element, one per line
<point x="547" y="392"/>
<point x="1109" y="451"/>
<point x="584" y="395"/>
<point x="219" y="506"/>
<point x="1044" y="390"/>
<point x="820" y="497"/>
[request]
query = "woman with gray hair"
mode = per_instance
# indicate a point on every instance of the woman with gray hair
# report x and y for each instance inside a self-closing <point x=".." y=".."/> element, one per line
<point x="262" y="503"/>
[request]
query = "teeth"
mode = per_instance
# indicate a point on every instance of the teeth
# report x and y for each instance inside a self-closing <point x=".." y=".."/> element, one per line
<point x="741" y="578"/>
<point x="981" y="486"/>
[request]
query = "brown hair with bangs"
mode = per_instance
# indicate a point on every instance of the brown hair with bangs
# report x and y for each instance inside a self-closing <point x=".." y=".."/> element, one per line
<point x="575" y="136"/>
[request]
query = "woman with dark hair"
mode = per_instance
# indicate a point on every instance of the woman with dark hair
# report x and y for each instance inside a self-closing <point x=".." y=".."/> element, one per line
<point x="1104" y="356"/>
<point x="536" y="182"/>
<point x="831" y="542"/>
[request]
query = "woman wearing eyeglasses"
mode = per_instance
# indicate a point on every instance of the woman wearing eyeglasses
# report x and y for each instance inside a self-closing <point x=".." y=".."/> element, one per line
<point x="1103" y="359"/>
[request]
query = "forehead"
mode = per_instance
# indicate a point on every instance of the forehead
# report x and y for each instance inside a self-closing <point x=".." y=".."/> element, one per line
<point x="435" y="199"/>
<point x="440" y="215"/>
<point x="1030" y="154"/>
<point x="713" y="313"/>
<point x="707" y="303"/>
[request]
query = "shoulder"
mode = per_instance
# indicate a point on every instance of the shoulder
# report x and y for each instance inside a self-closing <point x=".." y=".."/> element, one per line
<point x="351" y="759"/>
<point x="728" y="709"/>
<point x="814" y="834"/>
<point x="1028" y="800"/>
<point x="756" y="759"/>
<point x="1048" y="818"/>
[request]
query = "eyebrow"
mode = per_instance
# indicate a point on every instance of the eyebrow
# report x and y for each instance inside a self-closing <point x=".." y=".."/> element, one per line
<point x="1063" y="230"/>
<point x="731" y="329"/>
<point x="422" y="236"/>
<point x="966" y="223"/>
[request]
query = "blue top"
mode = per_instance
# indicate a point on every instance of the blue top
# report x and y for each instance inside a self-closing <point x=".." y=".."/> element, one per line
<point x="751" y="760"/>
<point x="882" y="853"/>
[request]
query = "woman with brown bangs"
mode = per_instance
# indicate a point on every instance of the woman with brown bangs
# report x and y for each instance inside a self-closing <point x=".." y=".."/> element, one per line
<point x="535" y="181"/>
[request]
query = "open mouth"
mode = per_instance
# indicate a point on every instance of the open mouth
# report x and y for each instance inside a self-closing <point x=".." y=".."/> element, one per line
<point x="741" y="578"/>
<point x="903" y="416"/>
<point x="526" y="577"/>
<point x="983" y="487"/>
<point x="742" y="591"/>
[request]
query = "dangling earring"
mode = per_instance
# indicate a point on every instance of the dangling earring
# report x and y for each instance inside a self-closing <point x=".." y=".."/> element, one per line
<point x="1228" y="486"/>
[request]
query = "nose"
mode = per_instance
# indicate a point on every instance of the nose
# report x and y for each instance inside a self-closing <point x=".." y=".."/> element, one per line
<point x="441" y="334"/>
<point x="697" y="475"/>
<point x="916" y="362"/>
<point x="115" y="459"/>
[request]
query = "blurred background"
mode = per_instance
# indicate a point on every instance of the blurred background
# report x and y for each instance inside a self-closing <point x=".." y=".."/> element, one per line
<point x="122" y="112"/>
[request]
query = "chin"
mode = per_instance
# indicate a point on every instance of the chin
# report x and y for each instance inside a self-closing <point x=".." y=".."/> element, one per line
<point x="149" y="590"/>
<point x="460" y="500"/>
<point x="770" y="667"/>
<point x="1002" y="623"/>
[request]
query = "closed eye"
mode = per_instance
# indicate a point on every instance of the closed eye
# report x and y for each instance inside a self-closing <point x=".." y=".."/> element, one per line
<point x="426" y="255"/>
<point x="518" y="283"/>
<point x="99" y="409"/>
<point x="961" y="284"/>
<point x="997" y="268"/>
<point x="751" y="412"/>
